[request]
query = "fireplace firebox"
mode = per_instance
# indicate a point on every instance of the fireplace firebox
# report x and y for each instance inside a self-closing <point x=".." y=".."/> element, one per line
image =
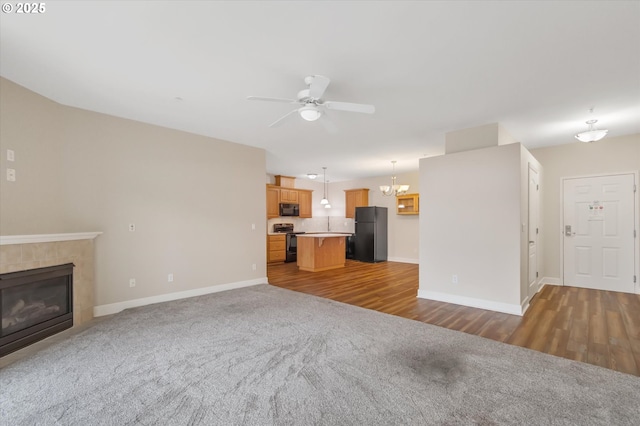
<point x="35" y="304"/>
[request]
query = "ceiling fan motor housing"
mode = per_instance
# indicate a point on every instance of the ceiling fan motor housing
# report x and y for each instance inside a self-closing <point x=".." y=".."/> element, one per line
<point x="303" y="95"/>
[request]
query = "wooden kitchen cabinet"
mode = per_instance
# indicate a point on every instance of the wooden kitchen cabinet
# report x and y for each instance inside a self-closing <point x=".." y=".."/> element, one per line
<point x="321" y="252"/>
<point x="411" y="203"/>
<point x="273" y="201"/>
<point x="285" y="181"/>
<point x="304" y="201"/>
<point x="355" y="198"/>
<point x="277" y="195"/>
<point x="276" y="248"/>
<point x="288" y="195"/>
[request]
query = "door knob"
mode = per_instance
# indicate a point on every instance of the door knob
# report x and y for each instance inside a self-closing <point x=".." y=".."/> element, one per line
<point x="567" y="230"/>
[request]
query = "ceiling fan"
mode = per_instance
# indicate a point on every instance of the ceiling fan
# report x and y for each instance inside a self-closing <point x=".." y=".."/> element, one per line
<point x="312" y="106"/>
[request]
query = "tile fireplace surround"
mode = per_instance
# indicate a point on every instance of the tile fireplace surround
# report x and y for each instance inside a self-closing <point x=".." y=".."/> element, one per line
<point x="23" y="252"/>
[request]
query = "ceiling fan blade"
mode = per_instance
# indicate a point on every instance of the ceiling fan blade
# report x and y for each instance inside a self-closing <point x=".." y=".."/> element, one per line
<point x="318" y="86"/>
<point x="346" y="106"/>
<point x="281" y="119"/>
<point x="261" y="98"/>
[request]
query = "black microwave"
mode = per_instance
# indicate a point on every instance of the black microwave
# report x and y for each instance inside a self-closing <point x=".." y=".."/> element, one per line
<point x="287" y="209"/>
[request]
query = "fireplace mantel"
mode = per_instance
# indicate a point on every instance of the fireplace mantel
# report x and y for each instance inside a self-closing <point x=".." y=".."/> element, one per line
<point x="46" y="238"/>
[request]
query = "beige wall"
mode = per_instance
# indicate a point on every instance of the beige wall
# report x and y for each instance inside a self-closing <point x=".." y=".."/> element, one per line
<point x="31" y="126"/>
<point x="611" y="154"/>
<point x="478" y="137"/>
<point x="193" y="199"/>
<point x="470" y="226"/>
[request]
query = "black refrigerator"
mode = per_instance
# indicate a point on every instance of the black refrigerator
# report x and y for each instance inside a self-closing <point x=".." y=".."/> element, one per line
<point x="371" y="234"/>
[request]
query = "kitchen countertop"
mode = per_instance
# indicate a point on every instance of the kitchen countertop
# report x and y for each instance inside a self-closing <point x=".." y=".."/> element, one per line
<point x="313" y="233"/>
<point x="323" y="235"/>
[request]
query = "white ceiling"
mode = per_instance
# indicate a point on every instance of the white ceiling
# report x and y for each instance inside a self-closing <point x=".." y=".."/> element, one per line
<point x="428" y="67"/>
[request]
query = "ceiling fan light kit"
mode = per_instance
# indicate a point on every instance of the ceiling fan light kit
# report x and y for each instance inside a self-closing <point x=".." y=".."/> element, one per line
<point x="312" y="104"/>
<point x="309" y="112"/>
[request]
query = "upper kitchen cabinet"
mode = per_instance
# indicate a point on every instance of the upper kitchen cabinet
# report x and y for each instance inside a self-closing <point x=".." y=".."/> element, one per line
<point x="285" y="181"/>
<point x="288" y="195"/>
<point x="277" y="195"/>
<point x="355" y="198"/>
<point x="304" y="201"/>
<point x="408" y="204"/>
<point x="273" y="201"/>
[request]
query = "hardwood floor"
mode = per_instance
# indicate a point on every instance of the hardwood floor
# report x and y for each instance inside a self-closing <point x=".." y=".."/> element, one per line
<point x="597" y="327"/>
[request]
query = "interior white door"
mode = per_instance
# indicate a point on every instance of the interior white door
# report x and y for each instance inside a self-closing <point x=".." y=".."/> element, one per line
<point x="534" y="208"/>
<point x="599" y="217"/>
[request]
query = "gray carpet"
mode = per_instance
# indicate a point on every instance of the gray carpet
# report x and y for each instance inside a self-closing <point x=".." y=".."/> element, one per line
<point x="263" y="355"/>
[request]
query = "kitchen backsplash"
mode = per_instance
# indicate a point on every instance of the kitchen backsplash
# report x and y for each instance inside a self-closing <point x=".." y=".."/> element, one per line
<point x="316" y="224"/>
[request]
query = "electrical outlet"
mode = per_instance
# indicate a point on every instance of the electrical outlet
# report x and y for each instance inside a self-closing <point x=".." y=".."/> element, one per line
<point x="132" y="227"/>
<point x="170" y="278"/>
<point x="11" y="175"/>
<point x="253" y="267"/>
<point x="253" y="226"/>
<point x="454" y="279"/>
<point x="132" y="282"/>
<point x="11" y="155"/>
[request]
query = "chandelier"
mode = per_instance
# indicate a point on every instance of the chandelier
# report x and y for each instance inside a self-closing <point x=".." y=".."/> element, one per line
<point x="394" y="189"/>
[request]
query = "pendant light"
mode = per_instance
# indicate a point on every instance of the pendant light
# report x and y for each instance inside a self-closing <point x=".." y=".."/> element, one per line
<point x="393" y="189"/>
<point x="324" y="201"/>
<point x="592" y="134"/>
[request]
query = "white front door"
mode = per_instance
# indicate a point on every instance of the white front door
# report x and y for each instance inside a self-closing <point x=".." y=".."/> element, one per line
<point x="534" y="197"/>
<point x="598" y="228"/>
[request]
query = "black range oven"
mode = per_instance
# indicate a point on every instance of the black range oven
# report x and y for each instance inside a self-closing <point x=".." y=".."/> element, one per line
<point x="291" y="247"/>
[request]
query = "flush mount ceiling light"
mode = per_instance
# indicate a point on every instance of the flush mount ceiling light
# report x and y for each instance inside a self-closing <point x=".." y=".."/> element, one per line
<point x="592" y="134"/>
<point x="312" y="175"/>
<point x="394" y="189"/>
<point x="310" y="112"/>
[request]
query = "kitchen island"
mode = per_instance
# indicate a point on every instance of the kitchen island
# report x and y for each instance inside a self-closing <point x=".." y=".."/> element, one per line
<point x="321" y="252"/>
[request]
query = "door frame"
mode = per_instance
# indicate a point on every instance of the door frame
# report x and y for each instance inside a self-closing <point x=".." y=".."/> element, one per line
<point x="531" y="166"/>
<point x="636" y="221"/>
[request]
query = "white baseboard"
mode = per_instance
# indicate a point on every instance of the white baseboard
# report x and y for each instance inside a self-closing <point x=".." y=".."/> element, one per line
<point x="472" y="302"/>
<point x="114" y="308"/>
<point x="404" y="260"/>
<point x="551" y="281"/>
